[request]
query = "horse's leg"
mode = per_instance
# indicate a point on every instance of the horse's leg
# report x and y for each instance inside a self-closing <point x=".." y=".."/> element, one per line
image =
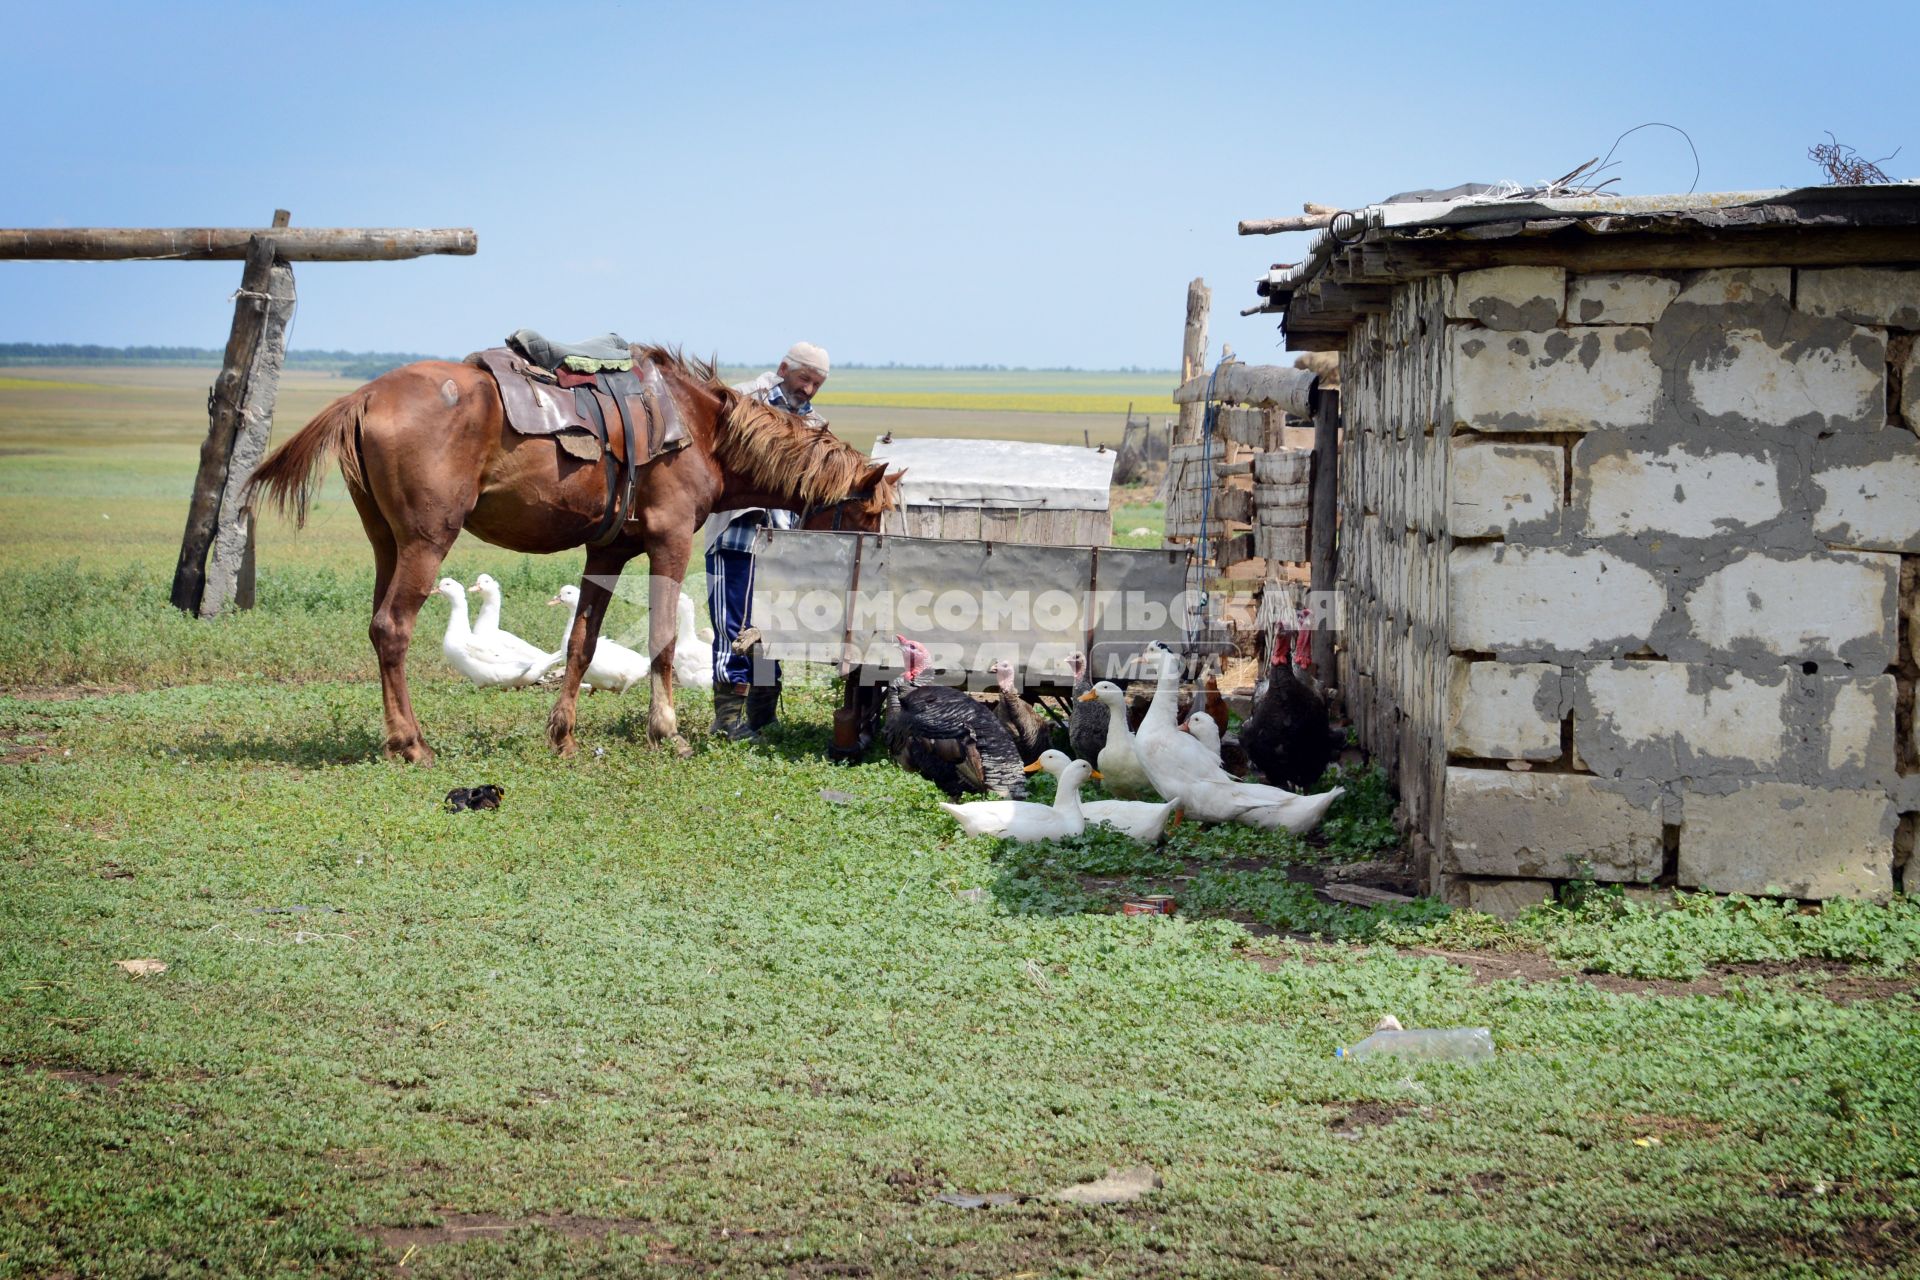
<point x="415" y="569"/>
<point x="395" y="709"/>
<point x="666" y="567"/>
<point x="596" y="589"/>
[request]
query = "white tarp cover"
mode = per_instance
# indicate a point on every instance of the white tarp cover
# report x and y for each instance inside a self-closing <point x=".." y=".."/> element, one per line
<point x="1000" y="473"/>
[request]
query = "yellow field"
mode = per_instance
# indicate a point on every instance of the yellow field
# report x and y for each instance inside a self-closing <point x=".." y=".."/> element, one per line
<point x="996" y="402"/>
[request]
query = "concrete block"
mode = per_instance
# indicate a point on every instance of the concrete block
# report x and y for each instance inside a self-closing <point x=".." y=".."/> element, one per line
<point x="1506" y="298"/>
<point x="1559" y="381"/>
<point x="1548" y="826"/>
<point x="1837" y="383"/>
<point x="1619" y="297"/>
<point x="1860" y="732"/>
<point x="1675" y="490"/>
<point x="1885" y="296"/>
<point x="1503" y="710"/>
<point x="1738" y="286"/>
<point x="1503" y="898"/>
<point x="1496" y="485"/>
<point x="1818" y="607"/>
<point x="1529" y="601"/>
<point x="1872" y="503"/>
<point x="1666" y="720"/>
<point x="1910" y="387"/>
<point x="1799" y="842"/>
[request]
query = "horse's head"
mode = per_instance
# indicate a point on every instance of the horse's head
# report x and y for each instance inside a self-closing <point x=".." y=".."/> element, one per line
<point x="875" y="494"/>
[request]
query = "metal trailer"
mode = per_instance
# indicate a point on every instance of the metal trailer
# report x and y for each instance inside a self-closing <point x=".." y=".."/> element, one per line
<point x="841" y="598"/>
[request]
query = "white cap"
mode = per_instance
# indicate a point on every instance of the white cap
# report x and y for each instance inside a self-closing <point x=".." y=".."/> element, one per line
<point x="806" y="353"/>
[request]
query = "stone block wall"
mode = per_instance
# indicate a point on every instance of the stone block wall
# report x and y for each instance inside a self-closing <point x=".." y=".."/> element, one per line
<point x="1629" y="566"/>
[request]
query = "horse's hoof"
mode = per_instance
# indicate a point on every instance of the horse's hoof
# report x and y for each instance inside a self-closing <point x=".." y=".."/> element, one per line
<point x="566" y="748"/>
<point x="680" y="746"/>
<point x="411" y="753"/>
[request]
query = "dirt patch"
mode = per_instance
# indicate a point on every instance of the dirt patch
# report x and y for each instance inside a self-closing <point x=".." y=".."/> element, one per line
<point x="63" y="692"/>
<point x="461" y="1228"/>
<point x="1352" y="1118"/>
<point x="1843" y="983"/>
<point x="108" y="1080"/>
<point x="23" y="747"/>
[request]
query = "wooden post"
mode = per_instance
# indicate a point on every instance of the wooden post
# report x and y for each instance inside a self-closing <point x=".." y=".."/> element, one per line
<point x="1193" y="359"/>
<point x="215" y="562"/>
<point x="1324" y="494"/>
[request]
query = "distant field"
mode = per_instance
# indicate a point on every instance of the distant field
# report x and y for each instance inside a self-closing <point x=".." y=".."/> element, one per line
<point x="96" y="462"/>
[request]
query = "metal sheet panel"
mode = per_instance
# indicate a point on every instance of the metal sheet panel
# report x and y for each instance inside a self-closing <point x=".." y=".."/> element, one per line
<point x="969" y="602"/>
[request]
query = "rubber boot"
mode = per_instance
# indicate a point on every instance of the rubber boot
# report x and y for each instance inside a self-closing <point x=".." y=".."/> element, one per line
<point x="763" y="707"/>
<point x="729" y="711"/>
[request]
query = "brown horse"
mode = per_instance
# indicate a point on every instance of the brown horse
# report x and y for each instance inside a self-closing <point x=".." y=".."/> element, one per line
<point x="426" y="452"/>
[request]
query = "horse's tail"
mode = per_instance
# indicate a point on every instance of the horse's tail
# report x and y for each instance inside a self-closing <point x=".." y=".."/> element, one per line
<point x="291" y="473"/>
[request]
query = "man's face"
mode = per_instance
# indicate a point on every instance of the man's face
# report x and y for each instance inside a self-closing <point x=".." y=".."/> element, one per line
<point x="801" y="382"/>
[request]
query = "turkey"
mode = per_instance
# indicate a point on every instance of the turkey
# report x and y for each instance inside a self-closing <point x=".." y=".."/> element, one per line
<point x="946" y="737"/>
<point x="1287" y="738"/>
<point x="1087" y="726"/>
<point x="1031" y="734"/>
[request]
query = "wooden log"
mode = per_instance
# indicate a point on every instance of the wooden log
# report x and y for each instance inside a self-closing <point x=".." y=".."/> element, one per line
<point x="1251" y="384"/>
<point x="1277" y="542"/>
<point x="199" y="244"/>
<point x="1193" y="357"/>
<point x="1326" y="496"/>
<point x="1283" y="466"/>
<point x="1273" y="226"/>
<point x="224" y="405"/>
<point x="229" y="579"/>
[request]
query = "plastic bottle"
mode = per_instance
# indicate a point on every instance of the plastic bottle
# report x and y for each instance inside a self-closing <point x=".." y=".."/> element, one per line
<point x="1436" y="1044"/>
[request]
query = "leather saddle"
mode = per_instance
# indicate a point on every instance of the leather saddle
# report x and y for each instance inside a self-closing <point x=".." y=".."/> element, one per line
<point x="601" y="403"/>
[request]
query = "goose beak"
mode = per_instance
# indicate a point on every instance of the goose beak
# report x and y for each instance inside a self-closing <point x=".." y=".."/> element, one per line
<point x="1088" y="696"/>
<point x="1035" y="767"/>
<point x="1095" y="775"/>
<point x="555" y="600"/>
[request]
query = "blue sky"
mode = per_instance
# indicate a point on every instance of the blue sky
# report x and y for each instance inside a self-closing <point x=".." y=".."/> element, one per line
<point x="1019" y="184"/>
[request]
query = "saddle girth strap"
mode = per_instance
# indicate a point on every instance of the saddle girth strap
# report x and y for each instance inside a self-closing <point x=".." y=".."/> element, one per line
<point x="627" y="468"/>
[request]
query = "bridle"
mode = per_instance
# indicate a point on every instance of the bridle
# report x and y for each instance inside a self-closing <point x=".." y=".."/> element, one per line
<point x="838" y="508"/>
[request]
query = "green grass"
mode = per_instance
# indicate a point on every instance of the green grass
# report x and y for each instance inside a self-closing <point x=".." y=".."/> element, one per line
<point x="735" y="1012"/>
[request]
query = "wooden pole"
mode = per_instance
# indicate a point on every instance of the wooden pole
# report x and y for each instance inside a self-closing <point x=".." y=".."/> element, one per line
<point x="230" y="566"/>
<point x="1273" y="226"/>
<point x="1322" y="549"/>
<point x="1193" y="358"/>
<point x="199" y="244"/>
<point x="214" y="560"/>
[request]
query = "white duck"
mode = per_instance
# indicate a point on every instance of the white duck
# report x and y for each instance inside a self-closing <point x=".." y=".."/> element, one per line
<point x="692" y="651"/>
<point x="1119" y="761"/>
<point x="1135" y="818"/>
<point x="1024" y="821"/>
<point x="480" y="661"/>
<point x="614" y="668"/>
<point x="486" y="624"/>
<point x="1184" y="769"/>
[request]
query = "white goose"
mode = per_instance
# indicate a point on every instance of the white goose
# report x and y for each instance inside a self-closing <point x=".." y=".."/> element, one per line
<point x="692" y="651"/>
<point x="1135" y="818"/>
<point x="615" y="668"/>
<point x="1183" y="768"/>
<point x="486" y="624"/>
<point x="484" y="663"/>
<point x="1120" y="766"/>
<point x="1024" y="821"/>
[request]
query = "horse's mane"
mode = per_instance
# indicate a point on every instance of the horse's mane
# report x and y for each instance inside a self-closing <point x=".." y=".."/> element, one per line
<point x="779" y="451"/>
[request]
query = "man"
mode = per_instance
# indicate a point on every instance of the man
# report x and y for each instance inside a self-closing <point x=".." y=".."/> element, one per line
<point x="742" y="708"/>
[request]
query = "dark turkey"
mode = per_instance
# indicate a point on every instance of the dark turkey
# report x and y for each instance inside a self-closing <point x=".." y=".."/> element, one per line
<point x="1087" y="724"/>
<point x="948" y="738"/>
<point x="1287" y="738"/>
